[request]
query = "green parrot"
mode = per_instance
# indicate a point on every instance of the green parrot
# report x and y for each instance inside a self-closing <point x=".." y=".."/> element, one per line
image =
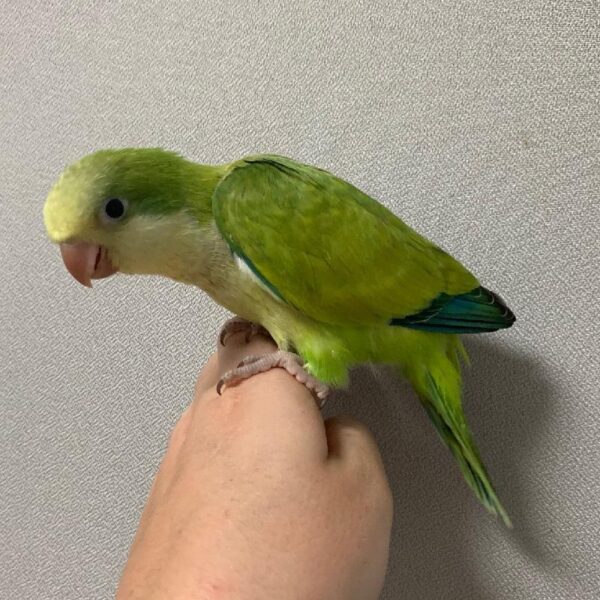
<point x="333" y="276"/>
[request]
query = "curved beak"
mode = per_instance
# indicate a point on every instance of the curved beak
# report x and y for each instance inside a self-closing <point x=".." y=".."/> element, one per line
<point x="86" y="262"/>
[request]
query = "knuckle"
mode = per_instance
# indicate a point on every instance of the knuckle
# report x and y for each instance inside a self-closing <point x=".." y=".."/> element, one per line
<point x="179" y="432"/>
<point x="356" y="431"/>
<point x="386" y="498"/>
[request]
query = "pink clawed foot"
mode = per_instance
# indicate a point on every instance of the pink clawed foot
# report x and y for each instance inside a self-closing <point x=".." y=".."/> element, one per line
<point x="238" y="325"/>
<point x="289" y="361"/>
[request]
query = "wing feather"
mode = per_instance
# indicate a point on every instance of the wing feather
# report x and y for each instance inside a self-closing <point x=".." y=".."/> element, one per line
<point x="328" y="249"/>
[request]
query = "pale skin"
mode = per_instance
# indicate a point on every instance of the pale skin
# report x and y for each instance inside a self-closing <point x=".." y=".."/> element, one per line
<point x="258" y="498"/>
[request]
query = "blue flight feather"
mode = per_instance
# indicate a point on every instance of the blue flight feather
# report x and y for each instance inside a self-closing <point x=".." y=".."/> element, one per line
<point x="477" y="311"/>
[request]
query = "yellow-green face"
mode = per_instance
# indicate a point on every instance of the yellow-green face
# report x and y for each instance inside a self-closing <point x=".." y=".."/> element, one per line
<point x="115" y="210"/>
<point x="71" y="210"/>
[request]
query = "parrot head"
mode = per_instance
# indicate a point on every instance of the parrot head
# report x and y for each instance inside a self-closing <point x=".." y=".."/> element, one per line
<point x="119" y="210"/>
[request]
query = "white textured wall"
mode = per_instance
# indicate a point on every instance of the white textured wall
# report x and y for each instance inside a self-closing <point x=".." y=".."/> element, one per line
<point x="478" y="122"/>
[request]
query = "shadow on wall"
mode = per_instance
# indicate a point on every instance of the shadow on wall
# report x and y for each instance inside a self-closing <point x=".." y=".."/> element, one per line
<point x="508" y="402"/>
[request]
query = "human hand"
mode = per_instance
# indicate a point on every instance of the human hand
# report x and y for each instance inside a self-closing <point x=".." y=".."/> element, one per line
<point x="258" y="498"/>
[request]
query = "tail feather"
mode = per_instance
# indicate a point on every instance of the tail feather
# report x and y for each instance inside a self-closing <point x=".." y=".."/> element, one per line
<point x="440" y="397"/>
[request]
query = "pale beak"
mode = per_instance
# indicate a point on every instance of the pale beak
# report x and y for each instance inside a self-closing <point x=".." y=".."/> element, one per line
<point x="86" y="262"/>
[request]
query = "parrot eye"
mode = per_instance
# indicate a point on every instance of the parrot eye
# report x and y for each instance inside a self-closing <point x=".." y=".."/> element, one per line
<point x="114" y="210"/>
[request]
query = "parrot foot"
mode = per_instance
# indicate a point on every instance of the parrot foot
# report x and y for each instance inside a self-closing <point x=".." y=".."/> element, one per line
<point x="292" y="363"/>
<point x="237" y="325"/>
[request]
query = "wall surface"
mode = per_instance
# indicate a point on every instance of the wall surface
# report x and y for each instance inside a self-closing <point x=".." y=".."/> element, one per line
<point x="477" y="122"/>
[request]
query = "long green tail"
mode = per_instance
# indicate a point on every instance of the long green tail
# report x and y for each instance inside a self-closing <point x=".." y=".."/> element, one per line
<point x="439" y="392"/>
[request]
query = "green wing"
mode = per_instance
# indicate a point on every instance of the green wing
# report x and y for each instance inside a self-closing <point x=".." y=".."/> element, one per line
<point x="328" y="249"/>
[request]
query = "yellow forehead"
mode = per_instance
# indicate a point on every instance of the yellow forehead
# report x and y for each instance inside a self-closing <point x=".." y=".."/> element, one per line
<point x="69" y="210"/>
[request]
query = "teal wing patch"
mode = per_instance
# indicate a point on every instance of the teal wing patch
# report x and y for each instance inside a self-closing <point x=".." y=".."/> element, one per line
<point x="477" y="311"/>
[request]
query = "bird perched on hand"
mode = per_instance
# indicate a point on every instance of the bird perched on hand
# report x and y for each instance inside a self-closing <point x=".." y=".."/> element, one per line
<point x="333" y="276"/>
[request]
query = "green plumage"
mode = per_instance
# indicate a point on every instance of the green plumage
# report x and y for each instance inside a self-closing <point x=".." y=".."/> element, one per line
<point x="333" y="253"/>
<point x="330" y="272"/>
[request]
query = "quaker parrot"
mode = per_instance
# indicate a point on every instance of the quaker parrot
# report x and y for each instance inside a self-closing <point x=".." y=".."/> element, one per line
<point x="331" y="274"/>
